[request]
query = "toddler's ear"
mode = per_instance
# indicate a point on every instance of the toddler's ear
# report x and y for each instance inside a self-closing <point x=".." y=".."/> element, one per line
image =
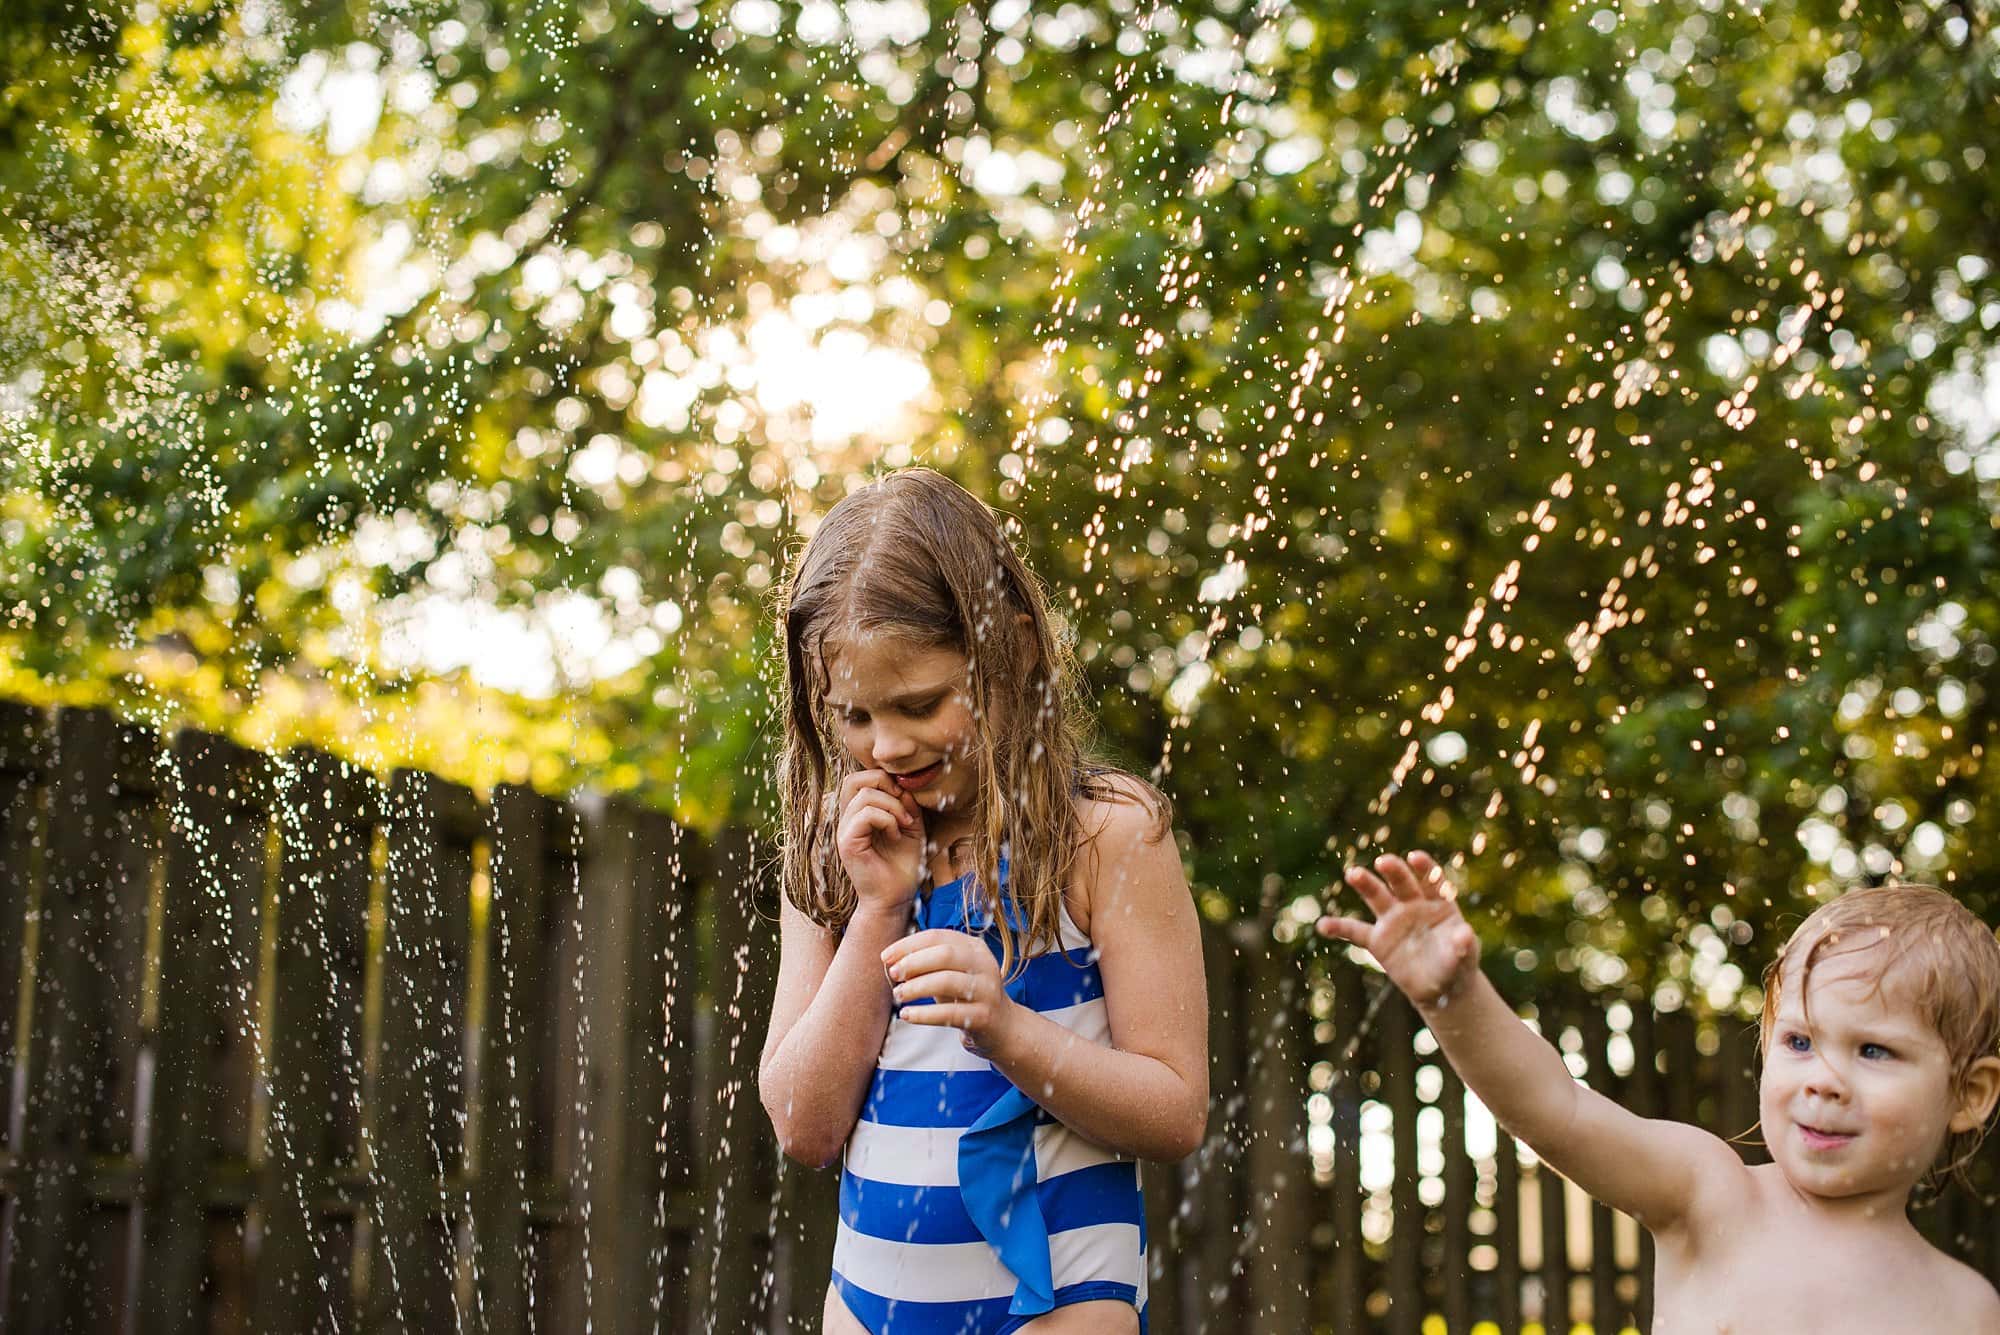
<point x="1977" y="1094"/>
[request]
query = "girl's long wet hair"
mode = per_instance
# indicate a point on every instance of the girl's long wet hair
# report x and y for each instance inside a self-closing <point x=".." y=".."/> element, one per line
<point x="915" y="557"/>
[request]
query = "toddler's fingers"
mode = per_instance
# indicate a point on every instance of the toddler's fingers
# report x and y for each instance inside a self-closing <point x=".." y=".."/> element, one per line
<point x="1402" y="881"/>
<point x="1430" y="875"/>
<point x="1351" y="930"/>
<point x="1375" y="894"/>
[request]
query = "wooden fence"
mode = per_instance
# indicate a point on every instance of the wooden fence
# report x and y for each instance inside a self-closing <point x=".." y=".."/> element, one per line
<point x="299" y="1050"/>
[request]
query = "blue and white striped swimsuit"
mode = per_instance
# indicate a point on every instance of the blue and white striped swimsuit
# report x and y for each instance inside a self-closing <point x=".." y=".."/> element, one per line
<point x="966" y="1209"/>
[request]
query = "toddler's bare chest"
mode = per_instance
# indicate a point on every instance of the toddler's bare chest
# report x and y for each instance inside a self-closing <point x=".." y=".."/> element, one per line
<point x="1780" y="1284"/>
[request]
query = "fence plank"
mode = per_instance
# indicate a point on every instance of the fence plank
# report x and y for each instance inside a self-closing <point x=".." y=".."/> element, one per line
<point x="1552" y="1200"/>
<point x="808" y="1210"/>
<point x="1206" y="1279"/>
<point x="1737" y="1057"/>
<point x="70" y="1257"/>
<point x="1507" y="1232"/>
<point x="416" y="1100"/>
<point x="519" y="826"/>
<point x="733" y="1252"/>
<point x="1683" y="1066"/>
<point x="327" y="812"/>
<point x="624" y="907"/>
<point x="1989" y="1262"/>
<point x="559" y="1247"/>
<point x="1644" y="1091"/>
<point x="1604" y="1305"/>
<point x="210" y="937"/>
<point x="653" y="1191"/>
<point x="26" y="743"/>
<point x="1350" y="1269"/>
<point x="1280" y="1174"/>
<point x="1459" y="1203"/>
<point x="685" y="1161"/>
<point x="1399" y="1091"/>
<point x="1161" y="1184"/>
<point x="609" y="914"/>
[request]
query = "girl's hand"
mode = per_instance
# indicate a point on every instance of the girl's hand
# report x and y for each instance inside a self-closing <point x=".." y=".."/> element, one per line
<point x="880" y="839"/>
<point x="1419" y="937"/>
<point x="959" y="974"/>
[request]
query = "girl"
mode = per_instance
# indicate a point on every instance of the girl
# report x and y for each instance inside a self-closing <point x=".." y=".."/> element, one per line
<point x="991" y="994"/>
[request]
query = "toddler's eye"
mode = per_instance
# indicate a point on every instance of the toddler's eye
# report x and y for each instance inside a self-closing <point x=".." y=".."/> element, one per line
<point x="1875" y="1051"/>
<point x="1797" y="1043"/>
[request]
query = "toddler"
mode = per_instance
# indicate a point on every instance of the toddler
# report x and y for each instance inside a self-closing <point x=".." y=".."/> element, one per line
<point x="1881" y="1066"/>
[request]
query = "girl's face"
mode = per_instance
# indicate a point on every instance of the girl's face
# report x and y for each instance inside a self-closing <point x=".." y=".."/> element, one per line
<point x="906" y="710"/>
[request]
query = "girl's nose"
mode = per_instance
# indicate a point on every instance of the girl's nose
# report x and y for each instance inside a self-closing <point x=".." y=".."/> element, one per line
<point x="892" y="745"/>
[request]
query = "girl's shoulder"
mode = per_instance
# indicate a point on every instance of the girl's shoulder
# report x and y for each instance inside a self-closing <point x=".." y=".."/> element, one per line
<point x="1116" y="807"/>
<point x="1125" y="826"/>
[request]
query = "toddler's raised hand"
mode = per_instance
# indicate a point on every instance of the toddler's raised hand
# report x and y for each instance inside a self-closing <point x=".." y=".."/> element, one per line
<point x="880" y="839"/>
<point x="1419" y="937"/>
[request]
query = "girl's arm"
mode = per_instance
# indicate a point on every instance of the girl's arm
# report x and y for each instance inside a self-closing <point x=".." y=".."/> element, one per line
<point x="828" y="1018"/>
<point x="831" y="1009"/>
<point x="1147" y="1094"/>
<point x="1652" y="1170"/>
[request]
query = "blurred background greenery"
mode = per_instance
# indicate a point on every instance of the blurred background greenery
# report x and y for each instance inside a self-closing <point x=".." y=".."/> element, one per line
<point x="1559" y="434"/>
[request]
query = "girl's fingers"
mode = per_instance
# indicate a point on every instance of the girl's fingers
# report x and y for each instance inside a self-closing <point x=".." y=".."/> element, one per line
<point x="1375" y="894"/>
<point x="950" y="1015"/>
<point x="940" y="985"/>
<point x="870" y="800"/>
<point x="932" y="959"/>
<point x="868" y="780"/>
<point x="881" y="801"/>
<point x="873" y="797"/>
<point x="1351" y="930"/>
<point x="869" y="821"/>
<point x="920" y="962"/>
<point x="929" y="939"/>
<point x="855" y="782"/>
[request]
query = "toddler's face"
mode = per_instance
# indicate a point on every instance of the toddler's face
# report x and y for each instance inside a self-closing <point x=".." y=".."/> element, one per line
<point x="1856" y="1094"/>
<point x="906" y="710"/>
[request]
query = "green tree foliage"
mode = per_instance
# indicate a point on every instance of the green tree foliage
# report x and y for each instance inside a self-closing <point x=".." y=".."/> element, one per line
<point x="1561" y="434"/>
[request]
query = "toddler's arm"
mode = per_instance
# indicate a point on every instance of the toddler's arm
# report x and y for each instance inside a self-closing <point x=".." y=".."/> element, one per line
<point x="1652" y="1170"/>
